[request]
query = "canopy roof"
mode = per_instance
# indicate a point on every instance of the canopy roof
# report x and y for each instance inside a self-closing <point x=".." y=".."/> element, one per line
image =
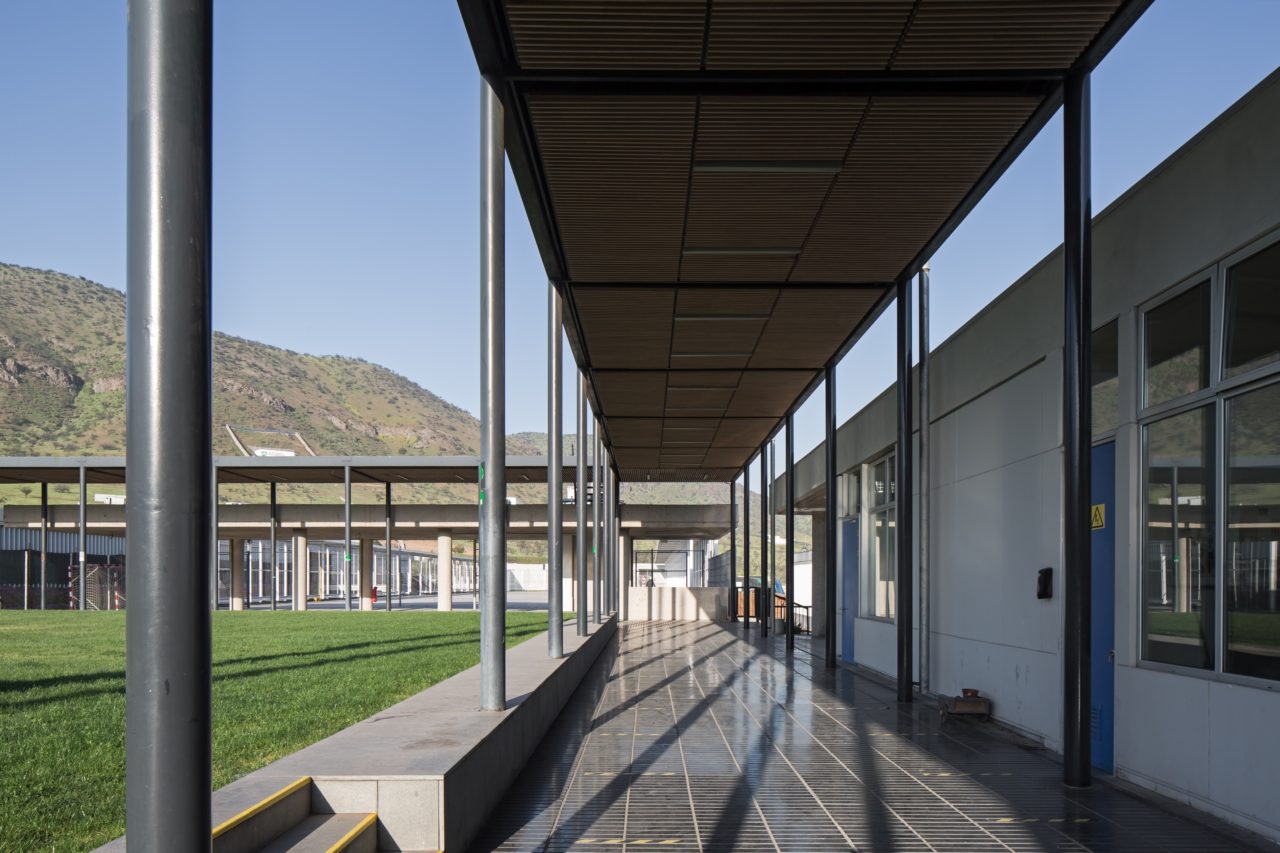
<point x="725" y="191"/>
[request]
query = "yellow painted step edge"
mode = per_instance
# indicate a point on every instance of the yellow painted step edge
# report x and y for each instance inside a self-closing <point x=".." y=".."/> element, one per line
<point x="353" y="833"/>
<point x="262" y="806"/>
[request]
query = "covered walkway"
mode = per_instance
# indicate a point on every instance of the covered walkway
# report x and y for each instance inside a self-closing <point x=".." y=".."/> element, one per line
<point x="692" y="738"/>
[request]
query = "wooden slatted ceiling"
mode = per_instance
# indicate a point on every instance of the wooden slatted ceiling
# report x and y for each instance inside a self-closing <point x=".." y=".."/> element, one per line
<point x="662" y="202"/>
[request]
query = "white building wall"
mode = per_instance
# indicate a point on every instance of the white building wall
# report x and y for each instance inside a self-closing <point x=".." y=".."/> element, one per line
<point x="1204" y="739"/>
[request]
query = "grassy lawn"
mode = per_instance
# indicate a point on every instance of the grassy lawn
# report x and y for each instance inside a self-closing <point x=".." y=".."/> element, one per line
<point x="280" y="681"/>
<point x="1260" y="629"/>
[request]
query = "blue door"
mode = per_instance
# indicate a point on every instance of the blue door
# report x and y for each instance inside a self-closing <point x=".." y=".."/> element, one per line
<point x="1103" y="639"/>
<point x="849" y="587"/>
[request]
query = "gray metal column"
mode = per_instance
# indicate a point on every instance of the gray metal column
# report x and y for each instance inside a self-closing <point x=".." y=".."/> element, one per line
<point x="597" y="532"/>
<point x="922" y="311"/>
<point x="904" y="602"/>
<point x="1076" y="432"/>
<point x="733" y="550"/>
<point x="773" y="537"/>
<point x="606" y="571"/>
<point x="389" y="569"/>
<point x="765" y="542"/>
<point x="555" y="474"/>
<point x="44" y="539"/>
<point x="346" y="537"/>
<point x="790" y="579"/>
<point x="746" y="546"/>
<point x="493" y="396"/>
<point x="83" y="537"/>
<point x="580" y="506"/>
<point x="829" y="573"/>
<point x="275" y="524"/>
<point x="169" y="396"/>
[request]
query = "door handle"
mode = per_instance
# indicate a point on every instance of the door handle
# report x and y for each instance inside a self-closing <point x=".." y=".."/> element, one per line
<point x="1111" y="656"/>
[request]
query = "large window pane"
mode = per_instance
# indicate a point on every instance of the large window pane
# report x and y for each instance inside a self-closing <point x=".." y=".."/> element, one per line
<point x="1178" y="575"/>
<point x="1105" y="362"/>
<point x="883" y="590"/>
<point x="1253" y="312"/>
<point x="1177" y="344"/>
<point x="1253" y="534"/>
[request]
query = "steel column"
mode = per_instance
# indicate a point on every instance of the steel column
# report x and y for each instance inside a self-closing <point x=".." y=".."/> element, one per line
<point x="904" y="603"/>
<point x="773" y="538"/>
<point x="389" y="511"/>
<point x="829" y="571"/>
<point x="608" y="534"/>
<point x="580" y="506"/>
<point x="733" y="550"/>
<point x="1076" y="431"/>
<point x="82" y="528"/>
<point x="789" y="581"/>
<point x="346" y="537"/>
<point x="922" y="311"/>
<point x="555" y="473"/>
<point x="275" y="523"/>
<point x="765" y="543"/>
<point x="44" y="539"/>
<point x="493" y="396"/>
<point x="596" y="532"/>
<point x="746" y="546"/>
<point x="169" y="397"/>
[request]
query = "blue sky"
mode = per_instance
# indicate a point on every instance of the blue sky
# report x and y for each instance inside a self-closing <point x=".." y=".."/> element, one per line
<point x="346" y="176"/>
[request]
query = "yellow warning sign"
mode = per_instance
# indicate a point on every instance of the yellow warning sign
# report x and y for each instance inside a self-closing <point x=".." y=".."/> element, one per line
<point x="1099" y="516"/>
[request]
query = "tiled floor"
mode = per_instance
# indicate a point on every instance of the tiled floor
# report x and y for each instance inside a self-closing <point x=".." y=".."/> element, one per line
<point x="698" y="740"/>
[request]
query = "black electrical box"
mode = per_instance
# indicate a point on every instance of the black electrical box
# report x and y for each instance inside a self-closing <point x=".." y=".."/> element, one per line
<point x="1044" y="583"/>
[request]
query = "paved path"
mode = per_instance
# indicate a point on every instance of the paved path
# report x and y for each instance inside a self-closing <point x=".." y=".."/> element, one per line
<point x="691" y="739"/>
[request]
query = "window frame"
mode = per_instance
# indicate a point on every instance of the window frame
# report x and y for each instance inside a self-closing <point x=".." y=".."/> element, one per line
<point x="1218" y="393"/>
<point x="869" y="510"/>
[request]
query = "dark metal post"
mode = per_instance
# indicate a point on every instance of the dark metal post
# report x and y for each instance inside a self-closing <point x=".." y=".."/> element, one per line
<point x="493" y="395"/>
<point x="580" y="506"/>
<point x="773" y="537"/>
<point x="216" y="556"/>
<point x="84" y="499"/>
<point x="829" y="573"/>
<point x="746" y="546"/>
<point x="765" y="543"/>
<point x="555" y="473"/>
<point x="596" y="530"/>
<point x="607" y="575"/>
<point x="44" y="539"/>
<point x="1076" y="431"/>
<point x="275" y="523"/>
<point x="904" y="602"/>
<point x="168" y="743"/>
<point x="389" y="512"/>
<point x="346" y="537"/>
<point x="922" y="312"/>
<point x="790" y="579"/>
<point x="733" y="550"/>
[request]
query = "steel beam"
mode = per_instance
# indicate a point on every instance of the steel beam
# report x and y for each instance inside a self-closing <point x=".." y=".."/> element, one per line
<point x="904" y="603"/>
<point x="1076" y="432"/>
<point x="580" y="506"/>
<point x="493" y="433"/>
<point x="829" y="570"/>
<point x="922" y="313"/>
<point x="555" y="473"/>
<point x="789" y="580"/>
<point x="168" y="742"/>
<point x="346" y="537"/>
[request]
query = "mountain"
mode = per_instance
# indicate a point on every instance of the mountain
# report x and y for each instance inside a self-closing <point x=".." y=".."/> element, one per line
<point x="62" y="394"/>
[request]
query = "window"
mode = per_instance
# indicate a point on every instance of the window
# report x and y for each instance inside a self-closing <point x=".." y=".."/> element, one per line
<point x="881" y="501"/>
<point x="850" y="494"/>
<point x="1252" y="556"/>
<point x="1104" y="358"/>
<point x="1179" y="572"/>
<point x="1177" y="346"/>
<point x="1252" y="312"/>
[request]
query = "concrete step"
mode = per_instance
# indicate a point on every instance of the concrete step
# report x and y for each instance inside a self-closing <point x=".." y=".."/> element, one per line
<point x="329" y="833"/>
<point x="257" y="825"/>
